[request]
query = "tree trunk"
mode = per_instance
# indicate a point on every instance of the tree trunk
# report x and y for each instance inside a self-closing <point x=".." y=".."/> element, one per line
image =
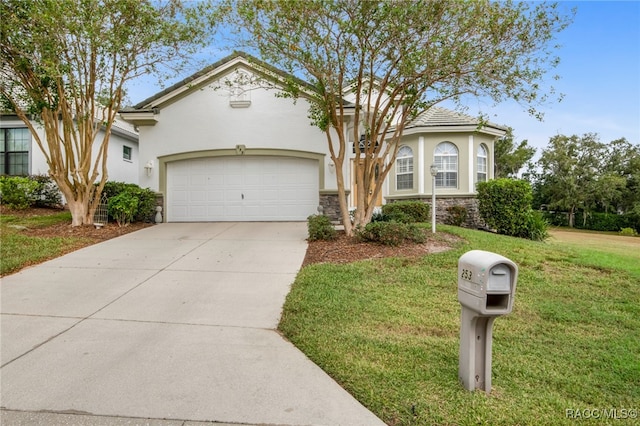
<point x="78" y="203"/>
<point x="342" y="199"/>
<point x="78" y="211"/>
<point x="572" y="216"/>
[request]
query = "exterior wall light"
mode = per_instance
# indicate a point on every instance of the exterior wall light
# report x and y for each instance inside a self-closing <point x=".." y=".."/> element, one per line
<point x="149" y="167"/>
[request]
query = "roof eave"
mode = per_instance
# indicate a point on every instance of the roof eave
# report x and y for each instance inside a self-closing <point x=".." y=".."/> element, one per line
<point x="462" y="128"/>
<point x="147" y="117"/>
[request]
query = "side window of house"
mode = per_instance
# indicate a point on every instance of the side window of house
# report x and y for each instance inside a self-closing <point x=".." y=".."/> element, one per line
<point x="126" y="153"/>
<point x="446" y="159"/>
<point x="481" y="175"/>
<point x="14" y="151"/>
<point x="404" y="168"/>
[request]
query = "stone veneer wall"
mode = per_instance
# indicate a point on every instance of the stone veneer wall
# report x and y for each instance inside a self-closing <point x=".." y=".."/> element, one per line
<point x="331" y="206"/>
<point x="470" y="203"/>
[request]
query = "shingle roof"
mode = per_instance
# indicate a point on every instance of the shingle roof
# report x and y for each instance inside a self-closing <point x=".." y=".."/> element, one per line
<point x="442" y="117"/>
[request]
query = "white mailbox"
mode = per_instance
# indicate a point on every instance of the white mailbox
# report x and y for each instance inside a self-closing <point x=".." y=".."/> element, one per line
<point x="486" y="282"/>
<point x="486" y="289"/>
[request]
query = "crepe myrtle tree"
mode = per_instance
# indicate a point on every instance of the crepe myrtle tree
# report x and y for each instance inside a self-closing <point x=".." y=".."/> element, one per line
<point x="394" y="60"/>
<point x="64" y="66"/>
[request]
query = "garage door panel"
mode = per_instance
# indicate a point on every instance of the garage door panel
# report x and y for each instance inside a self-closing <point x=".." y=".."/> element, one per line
<point x="242" y="189"/>
<point x="215" y="197"/>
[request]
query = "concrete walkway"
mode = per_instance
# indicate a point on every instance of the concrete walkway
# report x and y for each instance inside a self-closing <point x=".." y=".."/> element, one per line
<point x="171" y="325"/>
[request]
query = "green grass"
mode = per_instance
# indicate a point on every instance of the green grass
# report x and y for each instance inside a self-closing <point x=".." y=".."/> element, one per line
<point x="388" y="331"/>
<point x="601" y="249"/>
<point x="18" y="250"/>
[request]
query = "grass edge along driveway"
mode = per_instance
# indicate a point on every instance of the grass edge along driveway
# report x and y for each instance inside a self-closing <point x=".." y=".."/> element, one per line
<point x="18" y="250"/>
<point x="388" y="331"/>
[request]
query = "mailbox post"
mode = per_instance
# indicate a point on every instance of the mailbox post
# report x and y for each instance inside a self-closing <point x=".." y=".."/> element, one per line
<point x="486" y="289"/>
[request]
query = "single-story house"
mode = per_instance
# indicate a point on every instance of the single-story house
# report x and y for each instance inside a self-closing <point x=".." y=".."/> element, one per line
<point x="20" y="155"/>
<point x="221" y="146"/>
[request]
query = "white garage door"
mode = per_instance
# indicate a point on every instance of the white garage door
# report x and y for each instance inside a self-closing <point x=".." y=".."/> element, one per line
<point x="242" y="189"/>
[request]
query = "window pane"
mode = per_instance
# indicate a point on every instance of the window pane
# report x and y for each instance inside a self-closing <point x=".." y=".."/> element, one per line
<point x="14" y="150"/>
<point x="405" y="151"/>
<point x="404" y="165"/>
<point x="404" y="168"/>
<point x="447" y="180"/>
<point x="18" y="164"/>
<point x="404" y="181"/>
<point x="446" y="160"/>
<point x="481" y="164"/>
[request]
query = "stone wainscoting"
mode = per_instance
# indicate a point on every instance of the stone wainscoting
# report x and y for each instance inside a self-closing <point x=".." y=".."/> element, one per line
<point x="469" y="202"/>
<point x="330" y="204"/>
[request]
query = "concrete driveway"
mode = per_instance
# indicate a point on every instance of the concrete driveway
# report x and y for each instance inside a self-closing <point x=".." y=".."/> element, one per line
<point x="170" y="325"/>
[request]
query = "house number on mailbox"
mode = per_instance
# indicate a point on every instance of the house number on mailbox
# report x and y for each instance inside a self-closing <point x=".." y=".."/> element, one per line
<point x="466" y="274"/>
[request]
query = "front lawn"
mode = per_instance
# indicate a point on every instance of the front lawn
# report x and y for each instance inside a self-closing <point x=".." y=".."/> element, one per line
<point x="32" y="236"/>
<point x="19" y="249"/>
<point x="388" y="331"/>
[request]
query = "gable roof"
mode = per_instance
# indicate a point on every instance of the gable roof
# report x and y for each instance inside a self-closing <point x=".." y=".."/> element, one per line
<point x="205" y="75"/>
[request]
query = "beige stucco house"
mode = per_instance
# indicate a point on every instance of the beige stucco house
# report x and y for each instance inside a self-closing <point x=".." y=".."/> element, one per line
<point x="221" y="146"/>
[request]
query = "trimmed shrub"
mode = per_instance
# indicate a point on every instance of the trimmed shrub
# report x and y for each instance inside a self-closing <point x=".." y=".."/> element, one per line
<point x="146" y="206"/>
<point x="629" y="232"/>
<point x="47" y="193"/>
<point x="457" y="215"/>
<point x="391" y="233"/>
<point x="320" y="228"/>
<point x="505" y="205"/>
<point x="406" y="211"/>
<point x="17" y="192"/>
<point x="123" y="207"/>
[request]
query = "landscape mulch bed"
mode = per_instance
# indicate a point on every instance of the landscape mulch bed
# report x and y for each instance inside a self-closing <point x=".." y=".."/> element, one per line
<point x="89" y="233"/>
<point x="345" y="249"/>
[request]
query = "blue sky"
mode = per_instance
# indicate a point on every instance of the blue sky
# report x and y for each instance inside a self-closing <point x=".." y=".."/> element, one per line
<point x="600" y="78"/>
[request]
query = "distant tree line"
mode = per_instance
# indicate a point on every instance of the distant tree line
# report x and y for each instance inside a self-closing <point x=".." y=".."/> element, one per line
<point x="579" y="180"/>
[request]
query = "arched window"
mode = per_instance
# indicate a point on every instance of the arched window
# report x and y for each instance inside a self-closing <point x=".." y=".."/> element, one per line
<point x="481" y="175"/>
<point x="446" y="159"/>
<point x="404" y="168"/>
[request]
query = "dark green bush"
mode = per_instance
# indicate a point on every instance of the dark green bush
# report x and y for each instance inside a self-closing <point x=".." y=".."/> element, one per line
<point x="391" y="233"/>
<point x="17" y="192"/>
<point x="600" y="221"/>
<point x="595" y="221"/>
<point x="47" y="193"/>
<point x="505" y="205"/>
<point x="407" y="211"/>
<point x="123" y="207"/>
<point x="146" y="207"/>
<point x="379" y="217"/>
<point x="320" y="228"/>
<point x="457" y="215"/>
<point x="537" y="227"/>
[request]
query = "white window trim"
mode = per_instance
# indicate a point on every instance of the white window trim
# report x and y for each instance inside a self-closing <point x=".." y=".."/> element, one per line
<point x="486" y="162"/>
<point x="409" y="166"/>
<point x="124" y="158"/>
<point x="441" y="171"/>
